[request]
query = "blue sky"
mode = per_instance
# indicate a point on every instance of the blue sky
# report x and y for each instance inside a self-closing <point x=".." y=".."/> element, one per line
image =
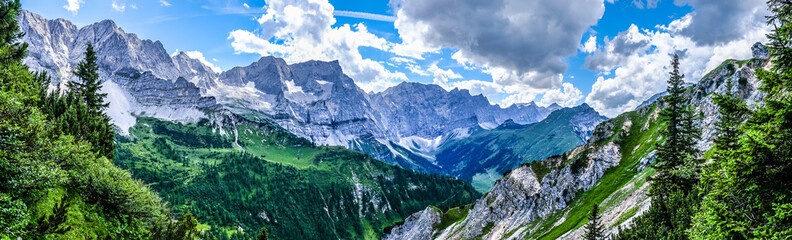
<point x="611" y="54"/>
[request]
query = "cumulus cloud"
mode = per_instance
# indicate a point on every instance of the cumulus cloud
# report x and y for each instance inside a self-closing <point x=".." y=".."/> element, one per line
<point x="118" y="8"/>
<point x="523" y="97"/>
<point x="441" y="76"/>
<point x="478" y="87"/>
<point x="624" y="44"/>
<point x="722" y="21"/>
<point x="523" y="44"/>
<point x="73" y="6"/>
<point x="590" y="46"/>
<point x="200" y="57"/>
<point x="301" y="30"/>
<point x="566" y="96"/>
<point x="634" y="72"/>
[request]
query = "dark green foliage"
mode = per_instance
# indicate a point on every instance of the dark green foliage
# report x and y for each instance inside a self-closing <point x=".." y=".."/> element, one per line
<point x="594" y="230"/>
<point x="70" y="115"/>
<point x="80" y="112"/>
<point x="677" y="158"/>
<point x="262" y="235"/>
<point x="749" y="192"/>
<point x="53" y="186"/>
<point x="669" y="219"/>
<point x="11" y="50"/>
<point x="199" y="171"/>
<point x="674" y="199"/>
<point x="88" y="86"/>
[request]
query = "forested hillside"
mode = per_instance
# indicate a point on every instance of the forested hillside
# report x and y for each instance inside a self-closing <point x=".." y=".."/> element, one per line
<point x="238" y="175"/>
<point x="56" y="181"/>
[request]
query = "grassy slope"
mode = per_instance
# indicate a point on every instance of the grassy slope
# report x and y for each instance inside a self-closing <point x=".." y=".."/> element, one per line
<point x="635" y="144"/>
<point x="305" y="191"/>
<point x="483" y="157"/>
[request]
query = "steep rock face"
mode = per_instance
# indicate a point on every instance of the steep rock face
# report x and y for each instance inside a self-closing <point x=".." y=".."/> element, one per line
<point x="428" y="111"/>
<point x="420" y="225"/>
<point x="139" y="75"/>
<point x="534" y="201"/>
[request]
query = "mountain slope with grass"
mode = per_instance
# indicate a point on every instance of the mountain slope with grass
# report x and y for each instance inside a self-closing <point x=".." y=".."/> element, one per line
<point x="238" y="174"/>
<point x="550" y="199"/>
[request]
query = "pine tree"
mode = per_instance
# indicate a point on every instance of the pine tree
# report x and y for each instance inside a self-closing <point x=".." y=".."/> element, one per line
<point x="593" y="229"/>
<point x="11" y="50"/>
<point x="715" y="187"/>
<point x="89" y="85"/>
<point x="677" y="156"/>
<point x="262" y="234"/>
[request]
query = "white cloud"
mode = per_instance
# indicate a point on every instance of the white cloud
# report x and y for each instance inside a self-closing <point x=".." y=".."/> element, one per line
<point x="418" y="70"/>
<point x="590" y="46"/>
<point x="441" y="76"/>
<point x="200" y="57"/>
<point x="118" y="8"/>
<point x="133" y="6"/>
<point x="73" y="6"/>
<point x="633" y="74"/>
<point x="522" y="97"/>
<point x="478" y="87"/>
<point x="245" y="5"/>
<point x="522" y="44"/>
<point x="165" y="3"/>
<point x="301" y="30"/>
<point x="401" y="60"/>
<point x="566" y="96"/>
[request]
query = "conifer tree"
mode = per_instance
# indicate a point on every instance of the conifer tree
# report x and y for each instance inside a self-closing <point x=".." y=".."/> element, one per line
<point x="714" y="185"/>
<point x="676" y="156"/>
<point x="89" y="85"/>
<point x="11" y="50"/>
<point x="262" y="234"/>
<point x="593" y="229"/>
<point x="751" y="195"/>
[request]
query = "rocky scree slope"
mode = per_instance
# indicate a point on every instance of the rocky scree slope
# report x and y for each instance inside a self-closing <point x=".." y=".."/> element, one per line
<point x="549" y="199"/>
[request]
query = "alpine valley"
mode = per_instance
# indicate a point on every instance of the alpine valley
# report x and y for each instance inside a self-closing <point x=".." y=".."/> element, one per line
<point x="105" y="135"/>
<point x="237" y="136"/>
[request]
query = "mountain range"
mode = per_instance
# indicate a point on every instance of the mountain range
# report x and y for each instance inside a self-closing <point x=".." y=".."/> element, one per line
<point x="180" y="122"/>
<point x="404" y="125"/>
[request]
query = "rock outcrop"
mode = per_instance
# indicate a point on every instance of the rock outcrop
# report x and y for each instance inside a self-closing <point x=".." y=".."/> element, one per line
<point x="534" y="200"/>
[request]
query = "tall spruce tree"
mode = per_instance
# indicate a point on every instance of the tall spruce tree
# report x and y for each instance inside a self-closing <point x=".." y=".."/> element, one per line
<point x="89" y="85"/>
<point x="594" y="230"/>
<point x="80" y="112"/>
<point x="673" y="200"/>
<point x="715" y="186"/>
<point x="676" y="156"/>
